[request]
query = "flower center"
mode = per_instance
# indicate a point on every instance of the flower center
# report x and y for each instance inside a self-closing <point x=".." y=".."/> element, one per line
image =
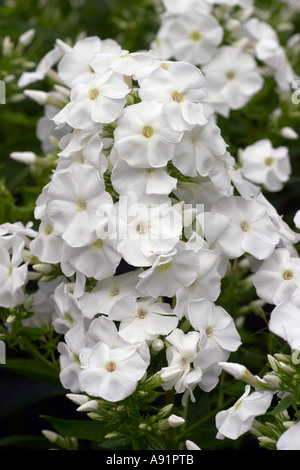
<point x="68" y="318"/>
<point x="76" y="359"/>
<point x="98" y="243"/>
<point x="111" y="366"/>
<point x="93" y="94"/>
<point x="195" y="36"/>
<point x="141" y="228"/>
<point x="148" y="132"/>
<point x="142" y="313"/>
<point x="287" y="275"/>
<point x="269" y="161"/>
<point x="81" y="205"/>
<point x="230" y="75"/>
<point x="245" y="226"/>
<point x="164" y="267"/>
<point x="177" y="97"/>
<point x="114" y="291"/>
<point x="209" y="331"/>
<point x="165" y="65"/>
<point x="48" y="229"/>
<point x="9" y="272"/>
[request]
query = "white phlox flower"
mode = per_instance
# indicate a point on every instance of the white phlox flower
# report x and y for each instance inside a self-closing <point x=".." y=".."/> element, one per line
<point x="75" y="208"/>
<point x="191" y="36"/>
<point x="13" y="271"/>
<point x="143" y="319"/>
<point x="111" y="370"/>
<point x="107" y="292"/>
<point x="45" y="64"/>
<point x="251" y="228"/>
<point x="143" y="137"/>
<point x="98" y="260"/>
<point x="196" y="152"/>
<point x="206" y="285"/>
<point x="75" y="65"/>
<point x="277" y="277"/>
<point x="238" y="419"/>
<point x="189" y="367"/>
<point x="67" y="309"/>
<point x="231" y="79"/>
<point x="143" y="181"/>
<point x="284" y="320"/>
<point x="263" y="164"/>
<point x="100" y="100"/>
<point x="48" y="246"/>
<point x="124" y="62"/>
<point x="216" y="327"/>
<point x="180" y="87"/>
<point x="70" y="349"/>
<point x="146" y="230"/>
<point x="169" y="273"/>
<point x="91" y="153"/>
<point x="290" y="439"/>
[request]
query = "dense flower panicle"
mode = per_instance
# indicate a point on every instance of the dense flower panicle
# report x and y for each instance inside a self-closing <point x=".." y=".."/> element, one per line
<point x="146" y="210"/>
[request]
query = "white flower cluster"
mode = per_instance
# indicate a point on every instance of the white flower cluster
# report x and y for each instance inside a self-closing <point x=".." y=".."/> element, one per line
<point x="234" y="48"/>
<point x="139" y="139"/>
<point x="146" y="209"/>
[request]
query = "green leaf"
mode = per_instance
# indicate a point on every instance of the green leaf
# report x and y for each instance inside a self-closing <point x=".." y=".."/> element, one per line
<point x="88" y="430"/>
<point x="33" y="369"/>
<point x="282" y="405"/>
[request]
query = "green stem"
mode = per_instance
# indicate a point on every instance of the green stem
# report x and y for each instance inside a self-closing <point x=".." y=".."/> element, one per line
<point x="37" y="354"/>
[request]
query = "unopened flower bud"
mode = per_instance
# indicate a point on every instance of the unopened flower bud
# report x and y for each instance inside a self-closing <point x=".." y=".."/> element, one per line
<point x="175" y="421"/>
<point x="26" y="38"/>
<point x="78" y="399"/>
<point x="42" y="268"/>
<point x="38" y="96"/>
<point x="272" y="380"/>
<point x="91" y="405"/>
<point x="190" y="445"/>
<point x="24" y="157"/>
<point x="289" y="133"/>
<point x="165" y="411"/>
<point x="50" y="435"/>
<point x="157" y="345"/>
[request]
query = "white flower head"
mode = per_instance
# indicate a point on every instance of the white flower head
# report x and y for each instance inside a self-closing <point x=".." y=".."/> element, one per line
<point x="263" y="164"/>
<point x="277" y="277"/>
<point x="77" y="208"/>
<point x="13" y="272"/>
<point x="190" y="36"/>
<point x="112" y="368"/>
<point x="290" y="439"/>
<point x="100" y="100"/>
<point x="238" y="419"/>
<point x="216" y="327"/>
<point x="251" y="229"/>
<point x="75" y="65"/>
<point x="231" y="79"/>
<point x="284" y="320"/>
<point x="180" y="87"/>
<point x="143" y="319"/>
<point x="143" y="137"/>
